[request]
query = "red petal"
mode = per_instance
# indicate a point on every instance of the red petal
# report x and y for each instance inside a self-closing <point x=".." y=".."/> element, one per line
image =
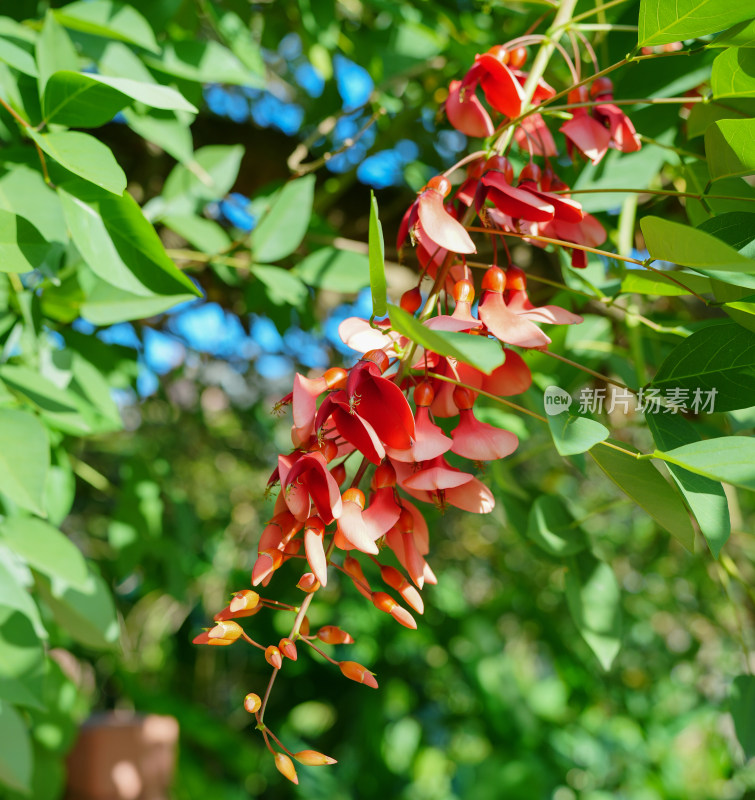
<point x="507" y="326"/>
<point x="353" y="528"/>
<point x="516" y="202"/>
<point x="315" y="551"/>
<point x="381" y="403"/>
<point x="360" y="433"/>
<point x="467" y="115"/>
<point x="435" y="475"/>
<point x="590" y="137"/>
<point x="512" y="377"/>
<point x="502" y="90"/>
<point x="564" y="208"/>
<point x="430" y="441"/>
<point x="533" y="135"/>
<point x="473" y="496"/>
<point x="479" y="441"/>
<point x="623" y="134"/>
<point x="440" y="227"/>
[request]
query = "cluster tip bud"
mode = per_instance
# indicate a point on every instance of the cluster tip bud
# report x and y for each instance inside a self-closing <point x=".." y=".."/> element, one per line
<point x="285" y="766"/>
<point x="252" y="703"/>
<point x="245" y="600"/>
<point x="356" y="672"/>
<point x="330" y="634"/>
<point x="288" y="649"/>
<point x="273" y="656"/>
<point x="311" y="758"/>
<point x="411" y="300"/>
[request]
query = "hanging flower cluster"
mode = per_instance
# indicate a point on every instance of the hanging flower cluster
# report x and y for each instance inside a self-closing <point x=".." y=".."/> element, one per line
<point x="367" y="451"/>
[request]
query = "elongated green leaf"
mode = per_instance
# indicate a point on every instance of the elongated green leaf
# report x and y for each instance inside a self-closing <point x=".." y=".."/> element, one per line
<point x="742" y="707"/>
<point x="480" y="352"/>
<point x="641" y="281"/>
<point x="14" y="580"/>
<point x="189" y="187"/>
<point x="85" y="156"/>
<point x="45" y="549"/>
<point x="648" y="488"/>
<point x="666" y="21"/>
<point x="17" y="57"/>
<point x="106" y="304"/>
<point x="282" y="286"/>
<point x="741" y="35"/>
<point x="552" y="527"/>
<point x="282" y="229"/>
<point x="736" y="228"/>
<point x="22" y="246"/>
<point x="680" y="244"/>
<point x="16" y="752"/>
<point x="23" y="191"/>
<point x="205" y="62"/>
<point x="377" y="260"/>
<point x="719" y="359"/>
<point x="706" y="498"/>
<point x="733" y="74"/>
<point x="118" y="243"/>
<point x="24" y="459"/>
<point x="705" y="114"/>
<point x="202" y="233"/>
<point x="730" y="148"/>
<point x="55" y="50"/>
<point x="730" y="459"/>
<point x="109" y="19"/>
<point x="336" y="270"/>
<point x="86" y="613"/>
<point x="165" y="130"/>
<point x="84" y="100"/>
<point x="594" y="599"/>
<point x="574" y="434"/>
<point x="22" y="663"/>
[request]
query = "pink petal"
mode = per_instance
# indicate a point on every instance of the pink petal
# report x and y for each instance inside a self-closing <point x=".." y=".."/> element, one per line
<point x="516" y="202"/>
<point x="590" y="137"/>
<point x="467" y="115"/>
<point x="623" y="134"/>
<point x="473" y="496"/>
<point x="507" y="326"/>
<point x="429" y="441"/>
<point x="382" y="513"/>
<point x="479" y="441"/>
<point x="436" y="475"/>
<point x="512" y="377"/>
<point x="439" y="226"/>
<point x="359" y="335"/>
<point x="315" y="551"/>
<point x="306" y="392"/>
<point x="353" y="528"/>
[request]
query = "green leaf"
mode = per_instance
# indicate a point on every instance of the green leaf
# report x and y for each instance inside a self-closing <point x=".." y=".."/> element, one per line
<point x="552" y="527"/>
<point x="640" y="281"/>
<point x="571" y="433"/>
<point x="742" y="35"/>
<point x="24" y="459"/>
<point x="204" y="62"/>
<point x="718" y="357"/>
<point x="480" y="352"/>
<point x="377" y="260"/>
<point x="22" y="246"/>
<point x="45" y="549"/>
<point x="730" y="148"/>
<point x="337" y="270"/>
<point x="733" y="74"/>
<point x="15" y="577"/>
<point x="118" y="243"/>
<point x="85" y="156"/>
<point x="109" y="19"/>
<point x="681" y="244"/>
<point x="16" y="752"/>
<point x="706" y="498"/>
<point x="282" y="229"/>
<point x="666" y="21"/>
<point x="736" y="228"/>
<point x="23" y="191"/>
<point x="641" y="481"/>
<point x="282" y="286"/>
<point x="107" y="305"/>
<point x="22" y="662"/>
<point x="55" y="50"/>
<point x="202" y="233"/>
<point x="594" y="599"/>
<point x="730" y="459"/>
<point x="190" y="187"/>
<point x="86" y="613"/>
<point x="742" y="707"/>
<point x="165" y="130"/>
<point x="705" y="114"/>
<point x="17" y="57"/>
<point x="84" y="100"/>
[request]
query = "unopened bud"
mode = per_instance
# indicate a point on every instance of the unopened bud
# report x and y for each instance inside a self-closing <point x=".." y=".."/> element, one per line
<point x="411" y="300"/>
<point x="424" y="394"/>
<point x="377" y="357"/>
<point x="245" y="600"/>
<point x="265" y="565"/>
<point x="385" y="475"/>
<point x="252" y="703"/>
<point x="311" y="758"/>
<point x="494" y="280"/>
<point x="286" y="768"/>
<point x="227" y="630"/>
<point x="335" y="377"/>
<point x="354" y="571"/>
<point x="288" y="648"/>
<point x="356" y="672"/>
<point x="463" y="398"/>
<point x="304" y="627"/>
<point x="339" y="473"/>
<point x="273" y="657"/>
<point x="330" y="634"/>
<point x="308" y="583"/>
<point x="386" y="603"/>
<point x="397" y="581"/>
<point x="355" y="496"/>
<point x="328" y="448"/>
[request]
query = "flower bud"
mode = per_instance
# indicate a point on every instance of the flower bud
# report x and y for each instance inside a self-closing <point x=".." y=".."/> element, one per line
<point x="328" y="449"/>
<point x="385" y="475"/>
<point x="411" y="300"/>
<point x="440" y="184"/>
<point x="245" y="600"/>
<point x="494" y="280"/>
<point x="227" y="630"/>
<point x="335" y="377"/>
<point x="355" y="496"/>
<point x="501" y="164"/>
<point x="267" y="562"/>
<point x="356" y="672"/>
<point x="516" y="279"/>
<point x="464" y="292"/>
<point x="517" y="57"/>
<point x="424" y="394"/>
<point x="499" y="53"/>
<point x="288" y="648"/>
<point x="286" y="768"/>
<point x="339" y="473"/>
<point x="308" y="583"/>
<point x="273" y="656"/>
<point x="601" y="86"/>
<point x="204" y="638"/>
<point x="386" y="603"/>
<point x="330" y="634"/>
<point x="377" y="357"/>
<point x="354" y="570"/>
<point x="578" y="95"/>
<point x="530" y="172"/>
<point x="405" y="521"/>
<point x="304" y="627"/>
<point x="252" y="703"/>
<point x="311" y="758"/>
<point x="463" y="398"/>
<point x="397" y="581"/>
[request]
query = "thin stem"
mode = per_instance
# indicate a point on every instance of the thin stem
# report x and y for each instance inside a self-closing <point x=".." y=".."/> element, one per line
<point x="19" y="119"/>
<point x="317" y="649"/>
<point x="466" y="160"/>
<point x="604" y="26"/>
<point x="637" y="101"/>
<point x="280" y="744"/>
<point x="360" y="473"/>
<point x="588" y="370"/>
<point x="597" y="10"/>
<point x="663" y="192"/>
<point x="251" y="641"/>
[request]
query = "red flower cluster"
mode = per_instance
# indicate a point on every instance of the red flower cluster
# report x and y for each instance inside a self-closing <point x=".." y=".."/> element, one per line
<point x="328" y="502"/>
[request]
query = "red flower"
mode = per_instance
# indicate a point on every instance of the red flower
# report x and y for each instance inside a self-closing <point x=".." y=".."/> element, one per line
<point x="518" y="301"/>
<point x="477" y="440"/>
<point x="308" y="482"/>
<point x="466" y="113"/>
<point x="430" y="441"/>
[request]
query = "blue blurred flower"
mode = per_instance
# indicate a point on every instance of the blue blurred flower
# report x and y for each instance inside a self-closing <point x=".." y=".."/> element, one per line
<point x="147" y="382"/>
<point x="354" y="82"/>
<point x="274" y="367"/>
<point x="306" y="348"/>
<point x="210" y="329"/>
<point x="265" y="334"/>
<point x="216" y="98"/>
<point x="407" y="150"/>
<point x="309" y="79"/>
<point x="235" y="208"/>
<point x="269" y="111"/>
<point x="122" y="334"/>
<point x="290" y="47"/>
<point x="237" y="108"/>
<point x="162" y="353"/>
<point x="381" y="169"/>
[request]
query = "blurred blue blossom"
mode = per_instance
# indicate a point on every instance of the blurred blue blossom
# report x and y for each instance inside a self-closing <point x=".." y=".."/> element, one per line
<point x="235" y="209"/>
<point x="361" y="307"/>
<point x="381" y="169"/>
<point x="274" y="367"/>
<point x="354" y="82"/>
<point x="449" y="143"/>
<point x="290" y="46"/>
<point x="147" y="382"/>
<point x="122" y="334"/>
<point x="307" y="348"/>
<point x="208" y="328"/>
<point x="308" y="77"/>
<point x="162" y="353"/>
<point x="265" y="334"/>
